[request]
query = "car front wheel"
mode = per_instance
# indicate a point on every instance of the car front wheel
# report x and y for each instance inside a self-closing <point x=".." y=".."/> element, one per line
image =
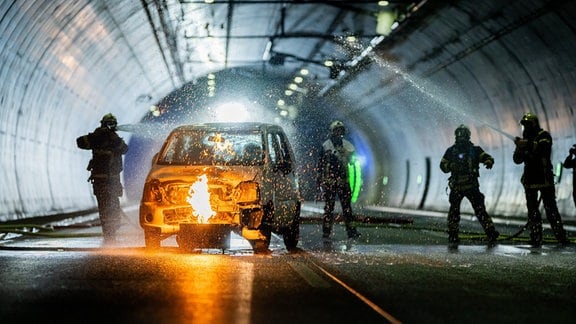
<point x="152" y="239"/>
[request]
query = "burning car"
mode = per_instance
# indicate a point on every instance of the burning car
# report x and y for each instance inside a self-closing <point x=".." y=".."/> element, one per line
<point x="210" y="179"/>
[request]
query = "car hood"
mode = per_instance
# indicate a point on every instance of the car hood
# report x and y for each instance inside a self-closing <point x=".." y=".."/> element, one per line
<point x="231" y="175"/>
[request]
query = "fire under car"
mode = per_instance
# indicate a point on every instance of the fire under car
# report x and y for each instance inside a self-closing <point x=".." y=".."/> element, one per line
<point x="211" y="179"/>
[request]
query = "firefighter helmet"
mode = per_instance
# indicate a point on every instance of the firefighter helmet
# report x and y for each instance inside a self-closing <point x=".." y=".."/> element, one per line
<point x="530" y="120"/>
<point x="109" y="121"/>
<point x="336" y="125"/>
<point x="462" y="133"/>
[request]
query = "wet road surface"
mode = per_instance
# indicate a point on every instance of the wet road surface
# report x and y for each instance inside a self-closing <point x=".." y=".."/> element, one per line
<point x="400" y="270"/>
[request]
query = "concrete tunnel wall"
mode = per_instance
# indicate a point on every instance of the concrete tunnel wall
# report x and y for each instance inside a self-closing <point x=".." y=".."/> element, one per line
<point x="65" y="64"/>
<point x="477" y="63"/>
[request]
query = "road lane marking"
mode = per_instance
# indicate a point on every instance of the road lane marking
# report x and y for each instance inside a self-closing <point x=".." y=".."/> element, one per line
<point x="367" y="301"/>
<point x="309" y="275"/>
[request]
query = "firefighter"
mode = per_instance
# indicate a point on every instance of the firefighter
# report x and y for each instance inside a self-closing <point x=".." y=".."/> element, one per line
<point x="462" y="161"/>
<point x="534" y="150"/>
<point x="333" y="180"/>
<point x="105" y="167"/>
<point x="570" y="163"/>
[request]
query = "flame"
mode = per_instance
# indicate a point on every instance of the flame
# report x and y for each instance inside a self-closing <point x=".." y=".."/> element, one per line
<point x="199" y="199"/>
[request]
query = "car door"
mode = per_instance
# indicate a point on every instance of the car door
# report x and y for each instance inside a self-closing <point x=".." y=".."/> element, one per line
<point x="283" y="178"/>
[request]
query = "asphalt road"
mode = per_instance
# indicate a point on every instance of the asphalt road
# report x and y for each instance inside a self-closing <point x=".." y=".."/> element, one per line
<point x="399" y="272"/>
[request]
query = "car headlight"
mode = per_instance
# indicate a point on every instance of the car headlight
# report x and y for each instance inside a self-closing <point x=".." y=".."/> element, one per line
<point x="247" y="191"/>
<point x="152" y="191"/>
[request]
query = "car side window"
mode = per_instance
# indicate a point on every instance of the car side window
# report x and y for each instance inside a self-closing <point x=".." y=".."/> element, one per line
<point x="272" y="148"/>
<point x="279" y="152"/>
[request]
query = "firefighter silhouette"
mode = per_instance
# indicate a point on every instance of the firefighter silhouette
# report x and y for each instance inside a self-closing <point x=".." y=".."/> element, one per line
<point x="462" y="161"/>
<point x="105" y="167"/>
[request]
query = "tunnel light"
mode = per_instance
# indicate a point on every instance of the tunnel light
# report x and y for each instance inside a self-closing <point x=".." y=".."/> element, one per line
<point x="155" y="110"/>
<point x="558" y="171"/>
<point x="328" y="63"/>
<point x="298" y="79"/>
<point x="231" y="112"/>
<point x="385" y="20"/>
<point x="293" y="86"/>
<point x="419" y="179"/>
<point x="281" y="103"/>
<point x="288" y="92"/>
<point x="385" y="180"/>
<point x="283" y="113"/>
<point x="304" y="71"/>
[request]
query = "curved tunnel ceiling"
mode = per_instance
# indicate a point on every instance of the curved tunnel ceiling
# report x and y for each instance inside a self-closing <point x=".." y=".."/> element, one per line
<point x="483" y="63"/>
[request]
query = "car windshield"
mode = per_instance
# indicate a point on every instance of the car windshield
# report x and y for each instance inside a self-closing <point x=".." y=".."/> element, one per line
<point x="198" y="147"/>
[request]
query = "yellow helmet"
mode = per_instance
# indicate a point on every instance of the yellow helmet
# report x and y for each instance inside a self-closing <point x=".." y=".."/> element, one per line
<point x="109" y="121"/>
<point x="462" y="132"/>
<point x="336" y="124"/>
<point x="530" y="120"/>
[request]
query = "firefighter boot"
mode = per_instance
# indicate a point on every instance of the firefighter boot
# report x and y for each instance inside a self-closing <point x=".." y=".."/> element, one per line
<point x="492" y="235"/>
<point x="536" y="235"/>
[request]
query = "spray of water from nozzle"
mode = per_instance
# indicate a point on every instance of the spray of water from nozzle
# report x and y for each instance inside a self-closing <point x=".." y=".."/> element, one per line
<point x="425" y="90"/>
<point x="154" y="131"/>
<point x="507" y="135"/>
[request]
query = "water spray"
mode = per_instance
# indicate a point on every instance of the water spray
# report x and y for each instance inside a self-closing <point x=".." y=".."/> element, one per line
<point x="126" y="128"/>
<point x="510" y="136"/>
<point x="423" y="88"/>
<point x="143" y="130"/>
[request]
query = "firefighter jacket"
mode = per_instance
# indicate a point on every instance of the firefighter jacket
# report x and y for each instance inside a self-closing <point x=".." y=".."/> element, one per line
<point x="107" y="149"/>
<point x="462" y="162"/>
<point x="570" y="163"/>
<point x="534" y="152"/>
<point x="333" y="162"/>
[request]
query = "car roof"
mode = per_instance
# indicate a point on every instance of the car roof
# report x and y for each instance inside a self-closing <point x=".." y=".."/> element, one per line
<point x="227" y="126"/>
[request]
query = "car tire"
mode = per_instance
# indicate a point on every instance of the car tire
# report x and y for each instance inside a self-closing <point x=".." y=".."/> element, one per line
<point x="262" y="246"/>
<point x="152" y="239"/>
<point x="291" y="234"/>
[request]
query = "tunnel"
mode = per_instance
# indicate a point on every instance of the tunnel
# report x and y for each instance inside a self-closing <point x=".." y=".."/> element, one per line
<point x="401" y="78"/>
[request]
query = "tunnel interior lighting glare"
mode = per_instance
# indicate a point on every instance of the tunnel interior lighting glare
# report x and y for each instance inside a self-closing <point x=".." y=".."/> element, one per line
<point x="383" y="3"/>
<point x="231" y="112"/>
<point x="385" y="19"/>
<point x="385" y="180"/>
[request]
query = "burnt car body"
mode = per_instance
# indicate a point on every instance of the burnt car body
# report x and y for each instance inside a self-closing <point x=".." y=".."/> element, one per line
<point x="250" y="186"/>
